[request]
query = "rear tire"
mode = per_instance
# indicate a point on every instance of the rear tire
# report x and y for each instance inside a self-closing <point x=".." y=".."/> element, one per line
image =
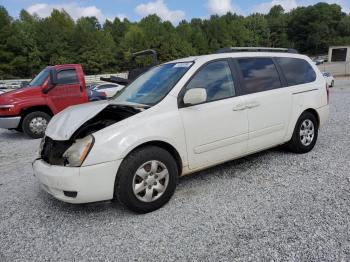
<point x="34" y="124"/>
<point x="146" y="179"/>
<point x="305" y="134"/>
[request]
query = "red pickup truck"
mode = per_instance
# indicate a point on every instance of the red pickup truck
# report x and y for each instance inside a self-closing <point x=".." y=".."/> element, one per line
<point x="29" y="109"/>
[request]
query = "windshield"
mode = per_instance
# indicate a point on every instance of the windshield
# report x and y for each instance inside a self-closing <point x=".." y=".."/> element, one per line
<point x="40" y="78"/>
<point x="154" y="85"/>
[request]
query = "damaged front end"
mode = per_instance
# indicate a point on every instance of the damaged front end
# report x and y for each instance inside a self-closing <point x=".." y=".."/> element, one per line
<point x="72" y="152"/>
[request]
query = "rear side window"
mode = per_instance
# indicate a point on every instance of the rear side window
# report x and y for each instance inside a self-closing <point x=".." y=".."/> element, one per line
<point x="297" y="71"/>
<point x="67" y="77"/>
<point x="259" y="74"/>
<point x="216" y="78"/>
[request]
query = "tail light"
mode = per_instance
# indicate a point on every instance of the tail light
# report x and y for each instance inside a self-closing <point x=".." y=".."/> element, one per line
<point x="104" y="94"/>
<point x="327" y="90"/>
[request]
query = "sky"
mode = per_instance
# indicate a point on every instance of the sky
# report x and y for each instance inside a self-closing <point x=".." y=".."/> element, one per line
<point x="172" y="10"/>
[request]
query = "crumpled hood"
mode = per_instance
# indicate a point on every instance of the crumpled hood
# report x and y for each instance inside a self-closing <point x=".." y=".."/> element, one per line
<point x="63" y="125"/>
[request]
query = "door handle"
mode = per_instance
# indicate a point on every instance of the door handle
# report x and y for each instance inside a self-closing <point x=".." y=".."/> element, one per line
<point x="239" y="107"/>
<point x="253" y="104"/>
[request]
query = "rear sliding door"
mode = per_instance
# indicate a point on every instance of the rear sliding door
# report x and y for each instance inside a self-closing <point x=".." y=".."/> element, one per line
<point x="268" y="104"/>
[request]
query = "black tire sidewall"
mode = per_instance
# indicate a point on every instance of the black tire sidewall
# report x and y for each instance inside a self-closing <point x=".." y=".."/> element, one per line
<point x="28" y="118"/>
<point x="295" y="144"/>
<point x="123" y="190"/>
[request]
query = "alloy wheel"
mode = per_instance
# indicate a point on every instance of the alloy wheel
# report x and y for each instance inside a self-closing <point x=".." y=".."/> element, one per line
<point x="307" y="132"/>
<point x="150" y="181"/>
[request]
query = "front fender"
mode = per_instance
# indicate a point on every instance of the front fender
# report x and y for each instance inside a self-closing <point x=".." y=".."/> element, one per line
<point x="156" y="124"/>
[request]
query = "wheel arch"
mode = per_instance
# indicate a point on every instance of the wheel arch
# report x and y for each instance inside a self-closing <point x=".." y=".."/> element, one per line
<point x="43" y="108"/>
<point x="166" y="146"/>
<point x="314" y="112"/>
<point x="295" y="120"/>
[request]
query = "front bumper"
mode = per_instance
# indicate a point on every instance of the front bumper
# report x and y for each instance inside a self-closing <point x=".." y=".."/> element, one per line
<point x="91" y="183"/>
<point x="9" y="122"/>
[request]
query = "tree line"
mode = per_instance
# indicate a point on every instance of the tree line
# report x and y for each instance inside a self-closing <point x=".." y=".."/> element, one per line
<point x="30" y="43"/>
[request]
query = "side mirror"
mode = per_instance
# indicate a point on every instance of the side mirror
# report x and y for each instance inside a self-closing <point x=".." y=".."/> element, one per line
<point x="195" y="96"/>
<point x="52" y="81"/>
<point x="53" y="77"/>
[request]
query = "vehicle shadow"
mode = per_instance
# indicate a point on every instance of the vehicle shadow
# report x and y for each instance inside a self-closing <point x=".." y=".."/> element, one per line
<point x="81" y="210"/>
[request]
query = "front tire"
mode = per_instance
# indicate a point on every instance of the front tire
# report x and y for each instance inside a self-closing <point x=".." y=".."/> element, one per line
<point x="34" y="124"/>
<point x="146" y="179"/>
<point x="305" y="134"/>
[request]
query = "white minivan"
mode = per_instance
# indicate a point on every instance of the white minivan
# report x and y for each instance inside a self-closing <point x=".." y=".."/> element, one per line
<point x="178" y="118"/>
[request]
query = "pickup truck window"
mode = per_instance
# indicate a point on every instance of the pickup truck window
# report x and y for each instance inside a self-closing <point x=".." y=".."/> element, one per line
<point x="40" y="78"/>
<point x="154" y="85"/>
<point x="67" y="77"/>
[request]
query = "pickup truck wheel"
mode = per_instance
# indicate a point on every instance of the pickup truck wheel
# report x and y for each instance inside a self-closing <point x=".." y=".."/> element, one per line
<point x="305" y="134"/>
<point x="146" y="179"/>
<point x="34" y="124"/>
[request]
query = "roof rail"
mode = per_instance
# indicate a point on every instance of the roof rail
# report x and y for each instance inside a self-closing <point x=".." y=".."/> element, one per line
<point x="255" y="49"/>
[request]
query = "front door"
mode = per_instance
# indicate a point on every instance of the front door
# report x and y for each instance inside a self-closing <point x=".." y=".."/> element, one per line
<point x="217" y="130"/>
<point x="69" y="91"/>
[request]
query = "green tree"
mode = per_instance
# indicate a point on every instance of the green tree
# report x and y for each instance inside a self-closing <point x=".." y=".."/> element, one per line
<point x="312" y="28"/>
<point x="93" y="47"/>
<point x="23" y="43"/>
<point x="29" y="43"/>
<point x="277" y="23"/>
<point x="54" y="38"/>
<point x="344" y="26"/>
<point x="6" y="56"/>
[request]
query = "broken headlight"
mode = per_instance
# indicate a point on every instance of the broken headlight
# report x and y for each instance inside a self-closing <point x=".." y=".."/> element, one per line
<point x="76" y="153"/>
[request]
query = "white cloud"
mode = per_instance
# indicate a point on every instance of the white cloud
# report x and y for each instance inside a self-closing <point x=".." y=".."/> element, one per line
<point x="220" y="7"/>
<point x="159" y="8"/>
<point x="73" y="9"/>
<point x="266" y="6"/>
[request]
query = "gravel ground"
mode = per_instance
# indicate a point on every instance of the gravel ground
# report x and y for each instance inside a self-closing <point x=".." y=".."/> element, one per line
<point x="273" y="205"/>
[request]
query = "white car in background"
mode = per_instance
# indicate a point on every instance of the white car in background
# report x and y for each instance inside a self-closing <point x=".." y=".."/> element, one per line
<point x="178" y="118"/>
<point x="109" y="88"/>
<point x="329" y="78"/>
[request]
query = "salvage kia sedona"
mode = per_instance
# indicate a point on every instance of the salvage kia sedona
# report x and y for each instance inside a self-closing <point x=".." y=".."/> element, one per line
<point x="178" y="118"/>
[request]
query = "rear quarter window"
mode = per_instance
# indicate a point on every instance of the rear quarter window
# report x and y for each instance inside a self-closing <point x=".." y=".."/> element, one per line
<point x="296" y="71"/>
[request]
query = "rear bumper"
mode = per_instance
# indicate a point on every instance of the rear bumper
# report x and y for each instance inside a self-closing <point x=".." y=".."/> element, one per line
<point x="89" y="184"/>
<point x="10" y="122"/>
